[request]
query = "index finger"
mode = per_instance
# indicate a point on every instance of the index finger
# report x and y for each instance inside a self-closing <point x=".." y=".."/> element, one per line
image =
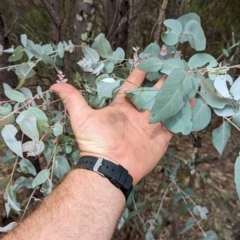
<point x="134" y="80"/>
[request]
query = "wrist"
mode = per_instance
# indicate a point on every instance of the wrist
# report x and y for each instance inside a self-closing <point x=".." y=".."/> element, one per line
<point x="115" y="173"/>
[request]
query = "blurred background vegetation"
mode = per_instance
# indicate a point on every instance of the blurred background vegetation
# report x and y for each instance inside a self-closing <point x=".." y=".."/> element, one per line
<point x="127" y="24"/>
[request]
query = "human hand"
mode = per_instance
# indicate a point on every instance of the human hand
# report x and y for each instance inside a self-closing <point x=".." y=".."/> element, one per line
<point x="118" y="132"/>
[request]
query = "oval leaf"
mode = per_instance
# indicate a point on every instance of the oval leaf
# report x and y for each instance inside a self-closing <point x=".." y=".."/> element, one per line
<point x="61" y="166"/>
<point x="41" y="178"/>
<point x="152" y="64"/>
<point x="57" y="129"/>
<point x="27" y="167"/>
<point x="221" y="135"/>
<point x="15" y="95"/>
<point x="8" y="134"/>
<point x="201" y="115"/>
<point x="237" y="175"/>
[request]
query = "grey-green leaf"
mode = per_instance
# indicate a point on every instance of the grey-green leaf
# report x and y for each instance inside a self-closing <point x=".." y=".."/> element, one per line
<point x="237" y="175"/>
<point x="170" y="98"/>
<point x="57" y="129"/>
<point x="180" y="122"/>
<point x="8" y="134"/>
<point x="200" y="60"/>
<point x="105" y="90"/>
<point x="23" y="38"/>
<point x="209" y="235"/>
<point x="41" y="178"/>
<point x="195" y="35"/>
<point x="61" y="166"/>
<point x="60" y="50"/>
<point x="174" y="29"/>
<point x="236" y="119"/>
<point x="221" y="135"/>
<point x="6" y="117"/>
<point x="201" y="115"/>
<point x="235" y="89"/>
<point x="91" y="54"/>
<point x="38" y="113"/>
<point x="104" y="47"/>
<point x="15" y="95"/>
<point x="28" y="124"/>
<point x="152" y="64"/>
<point x="17" y="54"/>
<point x="171" y="64"/>
<point x="27" y="167"/>
<point x="142" y="98"/>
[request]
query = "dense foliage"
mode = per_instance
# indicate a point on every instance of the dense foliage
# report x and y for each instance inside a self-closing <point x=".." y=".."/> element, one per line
<point x="48" y="128"/>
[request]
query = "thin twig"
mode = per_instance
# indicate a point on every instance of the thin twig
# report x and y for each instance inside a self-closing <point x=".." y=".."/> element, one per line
<point x="161" y="18"/>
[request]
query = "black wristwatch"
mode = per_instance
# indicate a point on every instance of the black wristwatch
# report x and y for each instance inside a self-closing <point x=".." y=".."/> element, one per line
<point x="116" y="174"/>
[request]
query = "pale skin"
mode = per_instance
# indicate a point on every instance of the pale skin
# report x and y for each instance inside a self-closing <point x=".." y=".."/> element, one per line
<point x="86" y="205"/>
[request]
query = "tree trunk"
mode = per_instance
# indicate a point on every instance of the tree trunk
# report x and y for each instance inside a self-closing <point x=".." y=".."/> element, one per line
<point x="8" y="77"/>
<point x="83" y="24"/>
<point x="116" y="21"/>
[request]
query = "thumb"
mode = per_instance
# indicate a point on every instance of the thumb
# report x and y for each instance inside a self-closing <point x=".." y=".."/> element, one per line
<point x="73" y="100"/>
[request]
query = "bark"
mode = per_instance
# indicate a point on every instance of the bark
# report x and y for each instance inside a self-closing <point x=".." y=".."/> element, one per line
<point x="116" y="21"/>
<point x="8" y="77"/>
<point x="83" y="24"/>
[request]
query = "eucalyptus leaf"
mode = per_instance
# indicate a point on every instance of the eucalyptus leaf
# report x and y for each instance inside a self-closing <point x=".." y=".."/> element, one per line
<point x="47" y="60"/>
<point x="4" y="182"/>
<point x="23" y="38"/>
<point x="6" y="117"/>
<point x="57" y="129"/>
<point x="8" y="134"/>
<point x="181" y="121"/>
<point x="152" y="64"/>
<point x="170" y="98"/>
<point x="27" y="167"/>
<point x="91" y="54"/>
<point x="189" y="224"/>
<point x="38" y="113"/>
<point x="200" y="60"/>
<point x="60" y="50"/>
<point x="26" y="92"/>
<point x="237" y="175"/>
<point x="152" y="50"/>
<point x="9" y="157"/>
<point x="104" y="47"/>
<point x="28" y="124"/>
<point x="201" y="115"/>
<point x="171" y="64"/>
<point x="220" y="136"/>
<point x="236" y="119"/>
<point x="209" y="235"/>
<point x="174" y="29"/>
<point x="61" y="166"/>
<point x="220" y="84"/>
<point x="24" y="70"/>
<point x="226" y="111"/>
<point x="23" y="182"/>
<point x="41" y="178"/>
<point x="195" y="35"/>
<point x="105" y="90"/>
<point x="235" y="89"/>
<point x="15" y="95"/>
<point x="142" y="98"/>
<point x="17" y="54"/>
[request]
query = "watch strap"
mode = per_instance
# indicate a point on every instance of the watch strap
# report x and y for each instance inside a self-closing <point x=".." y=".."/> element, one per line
<point x="116" y="174"/>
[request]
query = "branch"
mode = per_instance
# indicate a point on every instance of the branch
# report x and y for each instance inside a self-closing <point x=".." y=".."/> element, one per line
<point x="52" y="13"/>
<point x="161" y="18"/>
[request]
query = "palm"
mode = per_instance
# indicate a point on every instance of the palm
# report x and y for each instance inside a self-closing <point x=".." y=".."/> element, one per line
<point x="119" y="133"/>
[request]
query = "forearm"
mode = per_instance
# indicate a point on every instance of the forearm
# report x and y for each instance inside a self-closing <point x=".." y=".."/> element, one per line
<point x="84" y="206"/>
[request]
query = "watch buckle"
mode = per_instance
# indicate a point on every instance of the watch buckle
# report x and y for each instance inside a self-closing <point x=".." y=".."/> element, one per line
<point x="97" y="165"/>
